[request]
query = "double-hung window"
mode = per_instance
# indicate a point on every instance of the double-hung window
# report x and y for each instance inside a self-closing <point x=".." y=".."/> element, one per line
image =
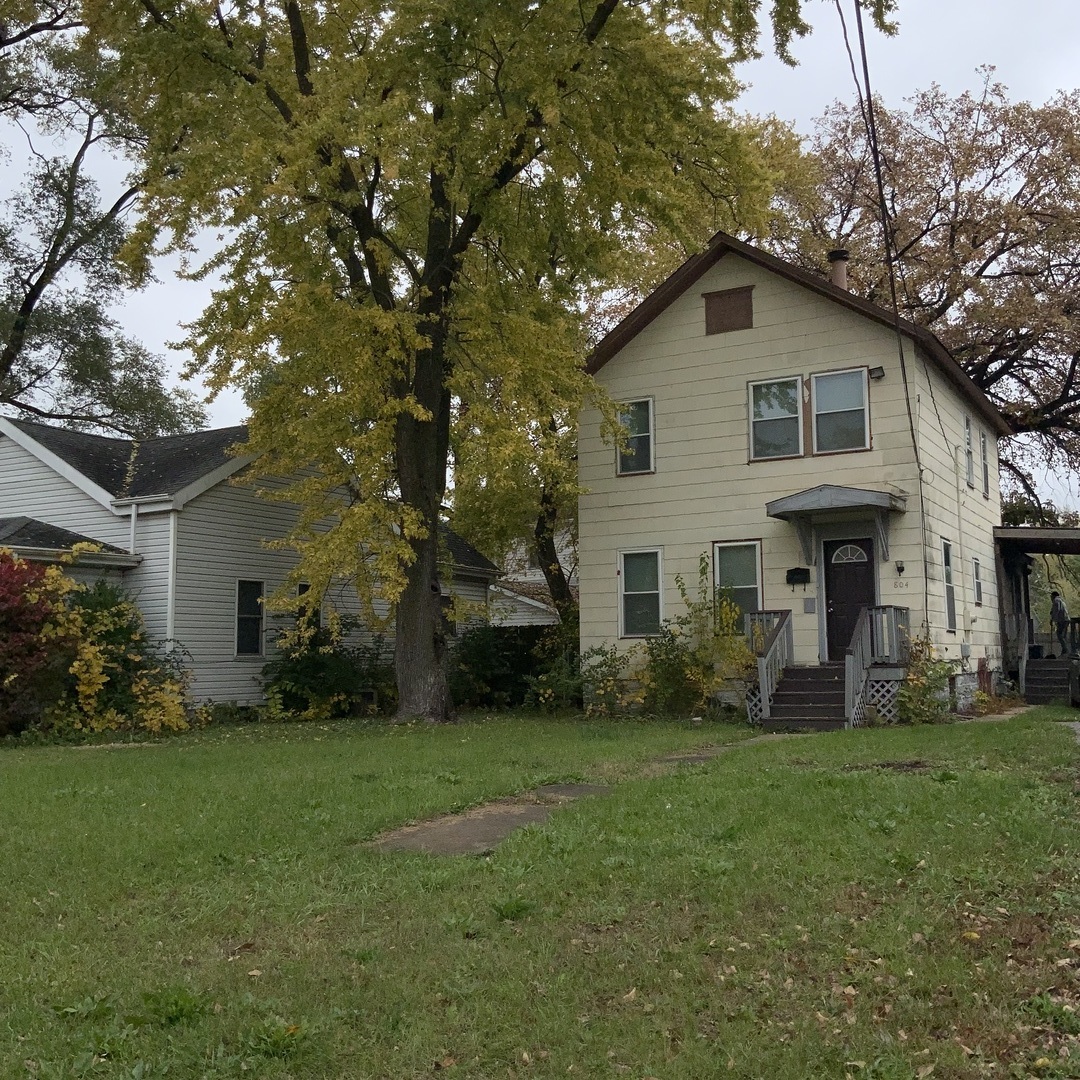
<point x="637" y="455"/>
<point x="950" y="587"/>
<point x="969" y="453"/>
<point x="737" y="574"/>
<point x="985" y="465"/>
<point x="976" y="581"/>
<point x="639" y="578"/>
<point x="249" y="618"/>
<point x="775" y="419"/>
<point x="840" y="414"/>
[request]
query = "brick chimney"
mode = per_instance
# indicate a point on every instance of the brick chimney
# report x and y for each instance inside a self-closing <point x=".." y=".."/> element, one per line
<point x="838" y="261"/>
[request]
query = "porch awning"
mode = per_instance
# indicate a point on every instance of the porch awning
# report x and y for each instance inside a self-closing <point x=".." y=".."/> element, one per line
<point x="830" y="502"/>
<point x="1038" y="540"/>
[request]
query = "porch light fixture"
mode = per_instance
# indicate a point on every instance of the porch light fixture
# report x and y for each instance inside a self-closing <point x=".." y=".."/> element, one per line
<point x="899" y="568"/>
<point x="876" y="373"/>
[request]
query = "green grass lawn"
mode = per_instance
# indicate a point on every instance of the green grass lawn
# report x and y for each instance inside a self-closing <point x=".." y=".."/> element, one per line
<point x="891" y="903"/>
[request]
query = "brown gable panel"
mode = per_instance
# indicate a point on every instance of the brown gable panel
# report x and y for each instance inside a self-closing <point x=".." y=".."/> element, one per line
<point x="729" y="309"/>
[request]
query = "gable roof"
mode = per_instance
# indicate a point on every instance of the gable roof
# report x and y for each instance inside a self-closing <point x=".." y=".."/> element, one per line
<point x="168" y="465"/>
<point x="723" y="244"/>
<point x="136" y="469"/>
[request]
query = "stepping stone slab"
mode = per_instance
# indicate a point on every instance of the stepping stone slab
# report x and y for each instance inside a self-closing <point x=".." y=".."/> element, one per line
<point x="480" y="830"/>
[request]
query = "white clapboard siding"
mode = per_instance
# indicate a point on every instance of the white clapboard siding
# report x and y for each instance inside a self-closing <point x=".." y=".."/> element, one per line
<point x="221" y="540"/>
<point x="30" y="488"/>
<point x="705" y="490"/>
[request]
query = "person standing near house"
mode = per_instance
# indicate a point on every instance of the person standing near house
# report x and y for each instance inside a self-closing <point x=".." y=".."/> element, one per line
<point x="1059" y="620"/>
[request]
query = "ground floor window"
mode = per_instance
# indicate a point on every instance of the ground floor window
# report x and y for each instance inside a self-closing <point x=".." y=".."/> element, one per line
<point x="249" y="618"/>
<point x="639" y="587"/>
<point x="737" y="572"/>
<point x="950" y="588"/>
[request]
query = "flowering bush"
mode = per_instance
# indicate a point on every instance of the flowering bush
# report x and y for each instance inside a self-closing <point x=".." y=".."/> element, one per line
<point x="924" y="696"/>
<point x="76" y="658"/>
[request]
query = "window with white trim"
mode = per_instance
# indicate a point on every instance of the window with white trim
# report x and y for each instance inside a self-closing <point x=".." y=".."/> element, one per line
<point x="737" y="573"/>
<point x="985" y="464"/>
<point x="840" y="413"/>
<point x="249" y="618"/>
<point x="637" y="455"/>
<point x="969" y="453"/>
<point x="639" y="593"/>
<point x="776" y="418"/>
<point x="976" y="581"/>
<point x="950" y="588"/>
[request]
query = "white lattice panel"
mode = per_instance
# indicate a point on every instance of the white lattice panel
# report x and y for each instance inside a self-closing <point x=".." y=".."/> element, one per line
<point x="881" y="696"/>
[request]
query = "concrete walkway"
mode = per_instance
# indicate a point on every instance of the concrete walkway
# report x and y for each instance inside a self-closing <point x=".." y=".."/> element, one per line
<point x="480" y="830"/>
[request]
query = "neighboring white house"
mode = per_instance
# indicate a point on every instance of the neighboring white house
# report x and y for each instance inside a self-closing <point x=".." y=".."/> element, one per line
<point x="825" y="460"/>
<point x="186" y="542"/>
<point x="521" y="597"/>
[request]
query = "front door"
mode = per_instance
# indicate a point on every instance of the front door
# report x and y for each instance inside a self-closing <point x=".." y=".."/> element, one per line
<point x="849" y="587"/>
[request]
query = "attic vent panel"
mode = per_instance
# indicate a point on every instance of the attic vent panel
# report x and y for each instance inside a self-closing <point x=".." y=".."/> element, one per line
<point x="729" y="309"/>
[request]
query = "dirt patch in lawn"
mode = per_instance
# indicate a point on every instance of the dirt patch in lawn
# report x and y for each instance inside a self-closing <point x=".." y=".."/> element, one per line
<point x="478" y="831"/>
<point x="912" y="765"/>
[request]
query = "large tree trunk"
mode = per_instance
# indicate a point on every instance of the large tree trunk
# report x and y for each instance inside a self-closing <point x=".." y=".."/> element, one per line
<point x="548" y="556"/>
<point x="420" y="650"/>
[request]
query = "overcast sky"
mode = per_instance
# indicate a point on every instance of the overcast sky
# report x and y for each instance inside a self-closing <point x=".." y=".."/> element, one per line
<point x="1034" y="46"/>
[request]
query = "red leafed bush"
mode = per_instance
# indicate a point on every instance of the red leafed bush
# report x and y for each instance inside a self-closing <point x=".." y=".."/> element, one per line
<point x="25" y="654"/>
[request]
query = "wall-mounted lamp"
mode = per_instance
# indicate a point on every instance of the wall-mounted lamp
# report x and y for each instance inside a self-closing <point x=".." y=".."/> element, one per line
<point x="876" y="373"/>
<point x="899" y="568"/>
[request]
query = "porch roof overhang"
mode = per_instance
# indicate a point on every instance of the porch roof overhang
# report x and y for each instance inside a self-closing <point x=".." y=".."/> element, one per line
<point x="832" y="502"/>
<point x="1038" y="540"/>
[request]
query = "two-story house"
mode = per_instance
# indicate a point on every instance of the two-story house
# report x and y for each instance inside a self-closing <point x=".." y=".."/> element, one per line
<point x="837" y="466"/>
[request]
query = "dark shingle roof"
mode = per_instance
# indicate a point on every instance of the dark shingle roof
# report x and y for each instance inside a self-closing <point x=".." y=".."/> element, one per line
<point x="25" y="532"/>
<point x="464" y="555"/>
<point x="165" y="465"/>
<point x="130" y="469"/>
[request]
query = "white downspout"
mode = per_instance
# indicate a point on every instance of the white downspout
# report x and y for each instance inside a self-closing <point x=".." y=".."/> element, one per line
<point x="961" y="578"/>
<point x="170" y="602"/>
<point x="134" y="522"/>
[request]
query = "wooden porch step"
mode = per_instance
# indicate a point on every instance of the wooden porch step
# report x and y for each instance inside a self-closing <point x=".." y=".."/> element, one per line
<point x="808" y="699"/>
<point x="806" y="705"/>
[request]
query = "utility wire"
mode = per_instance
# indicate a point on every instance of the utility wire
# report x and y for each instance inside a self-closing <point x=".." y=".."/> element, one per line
<point x="866" y="107"/>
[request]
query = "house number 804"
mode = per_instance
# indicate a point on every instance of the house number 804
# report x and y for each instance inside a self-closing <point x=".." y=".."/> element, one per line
<point x="900" y="583"/>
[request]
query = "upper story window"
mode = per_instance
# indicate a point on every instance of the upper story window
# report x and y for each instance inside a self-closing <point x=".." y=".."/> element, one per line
<point x="976" y="581"/>
<point x="637" y="456"/>
<point x="729" y="309"/>
<point x="775" y="419"/>
<point x="969" y="453"/>
<point x="950" y="587"/>
<point x="985" y="465"/>
<point x="840" y="414"/>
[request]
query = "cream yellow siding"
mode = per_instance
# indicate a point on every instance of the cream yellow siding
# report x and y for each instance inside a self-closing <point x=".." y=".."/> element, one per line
<point x="705" y="489"/>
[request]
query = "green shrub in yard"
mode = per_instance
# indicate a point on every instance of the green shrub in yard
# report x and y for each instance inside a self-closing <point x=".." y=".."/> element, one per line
<point x="924" y="696"/>
<point x="696" y="654"/>
<point x="490" y="666"/>
<point x="317" y="676"/>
